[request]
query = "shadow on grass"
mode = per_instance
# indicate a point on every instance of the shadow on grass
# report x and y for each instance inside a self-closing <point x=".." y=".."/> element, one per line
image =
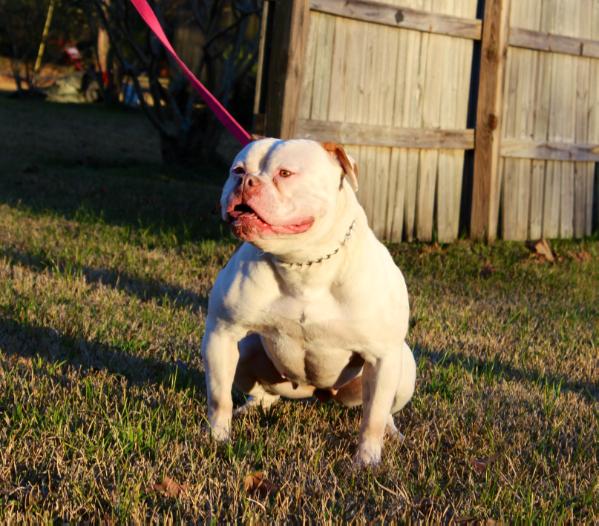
<point x="143" y="288"/>
<point x="498" y="369"/>
<point x="129" y="197"/>
<point x="28" y="341"/>
<point x="100" y="164"/>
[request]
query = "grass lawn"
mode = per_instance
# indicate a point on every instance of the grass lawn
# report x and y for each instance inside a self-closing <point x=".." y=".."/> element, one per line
<point x="106" y="261"/>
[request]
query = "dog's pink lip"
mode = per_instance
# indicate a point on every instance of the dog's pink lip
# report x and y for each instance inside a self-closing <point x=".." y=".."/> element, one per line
<point x="244" y="219"/>
<point x="294" y="228"/>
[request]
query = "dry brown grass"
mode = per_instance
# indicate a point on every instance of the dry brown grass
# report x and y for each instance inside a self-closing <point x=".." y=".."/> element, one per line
<point x="105" y="264"/>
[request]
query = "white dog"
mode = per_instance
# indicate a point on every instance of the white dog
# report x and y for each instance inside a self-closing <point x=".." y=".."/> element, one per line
<point x="312" y="304"/>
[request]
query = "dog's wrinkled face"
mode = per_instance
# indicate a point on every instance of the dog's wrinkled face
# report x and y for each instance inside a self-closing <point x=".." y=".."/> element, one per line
<point x="279" y="190"/>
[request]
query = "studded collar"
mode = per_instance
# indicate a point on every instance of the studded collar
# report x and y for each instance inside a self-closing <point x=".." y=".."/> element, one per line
<point x="309" y="263"/>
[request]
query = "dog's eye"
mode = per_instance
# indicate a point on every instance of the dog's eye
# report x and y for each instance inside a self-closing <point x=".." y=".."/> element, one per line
<point x="238" y="170"/>
<point x="285" y="173"/>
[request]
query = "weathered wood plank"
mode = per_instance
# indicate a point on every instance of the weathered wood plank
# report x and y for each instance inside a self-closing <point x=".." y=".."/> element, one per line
<point x="569" y="24"/>
<point x="380" y="103"/>
<point x="592" y="191"/>
<point x="551" y="200"/>
<point x="379" y="135"/>
<point x="485" y="196"/>
<point x="463" y="96"/>
<point x="290" y="35"/>
<point x="397" y="162"/>
<point x="403" y="17"/>
<point x="507" y="177"/>
<point x="454" y="100"/>
<point x="324" y="34"/>
<point x="431" y="63"/>
<point x="396" y="194"/>
<point x="582" y="170"/>
<point x="308" y="77"/>
<point x="541" y="112"/>
<point x="410" y="102"/>
<point x="542" y="41"/>
<point x="447" y="64"/>
<point x="520" y="113"/>
<point x="258" y="95"/>
<point x="535" y="214"/>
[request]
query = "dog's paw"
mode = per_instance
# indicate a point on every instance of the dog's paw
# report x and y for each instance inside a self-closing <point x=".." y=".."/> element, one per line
<point x="368" y="454"/>
<point x="265" y="401"/>
<point x="392" y="431"/>
<point x="220" y="428"/>
<point x="220" y="433"/>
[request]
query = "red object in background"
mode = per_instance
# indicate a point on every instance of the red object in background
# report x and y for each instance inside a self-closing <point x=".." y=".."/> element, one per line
<point x="73" y="56"/>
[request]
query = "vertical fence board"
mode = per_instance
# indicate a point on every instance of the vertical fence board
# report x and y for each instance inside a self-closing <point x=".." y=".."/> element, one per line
<point x="581" y="170"/>
<point x="541" y="110"/>
<point x="290" y="35"/>
<point x="324" y="35"/>
<point x="568" y="24"/>
<point x="307" y="93"/>
<point x="454" y="113"/>
<point x="445" y="171"/>
<point x="551" y="199"/>
<point x="593" y="124"/>
<point x="519" y="124"/>
<point x="485" y="199"/>
<point x="430" y="69"/>
<point x="411" y="109"/>
<point x="381" y="111"/>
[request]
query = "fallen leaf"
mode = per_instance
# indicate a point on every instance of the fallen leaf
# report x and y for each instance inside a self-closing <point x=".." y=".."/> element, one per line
<point x="581" y="256"/>
<point x="480" y="465"/>
<point x="542" y="249"/>
<point x="433" y="248"/>
<point x="170" y="487"/>
<point x="257" y="483"/>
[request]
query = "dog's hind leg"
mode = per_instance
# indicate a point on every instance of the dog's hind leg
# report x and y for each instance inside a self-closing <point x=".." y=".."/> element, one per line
<point x="405" y="389"/>
<point x="257" y="377"/>
<point x="407" y="380"/>
<point x="350" y="394"/>
<point x="254" y="368"/>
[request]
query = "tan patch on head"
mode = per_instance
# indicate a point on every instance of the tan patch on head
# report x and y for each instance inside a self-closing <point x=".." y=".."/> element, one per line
<point x="350" y="169"/>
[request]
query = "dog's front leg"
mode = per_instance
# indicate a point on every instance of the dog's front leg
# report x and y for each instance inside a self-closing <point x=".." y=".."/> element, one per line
<point x="379" y="383"/>
<point x="220" y="355"/>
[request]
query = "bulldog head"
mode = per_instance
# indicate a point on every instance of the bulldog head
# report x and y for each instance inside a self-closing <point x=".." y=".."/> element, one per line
<point x="280" y="192"/>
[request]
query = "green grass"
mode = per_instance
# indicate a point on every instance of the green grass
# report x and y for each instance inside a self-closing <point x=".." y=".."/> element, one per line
<point x="106" y="260"/>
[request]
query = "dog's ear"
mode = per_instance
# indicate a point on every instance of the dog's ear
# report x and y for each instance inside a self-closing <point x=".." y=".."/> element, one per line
<point x="348" y="165"/>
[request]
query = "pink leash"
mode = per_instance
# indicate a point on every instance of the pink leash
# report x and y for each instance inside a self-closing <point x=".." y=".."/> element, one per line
<point x="219" y="110"/>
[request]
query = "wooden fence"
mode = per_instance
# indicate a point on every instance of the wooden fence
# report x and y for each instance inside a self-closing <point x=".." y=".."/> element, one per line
<point x="398" y="83"/>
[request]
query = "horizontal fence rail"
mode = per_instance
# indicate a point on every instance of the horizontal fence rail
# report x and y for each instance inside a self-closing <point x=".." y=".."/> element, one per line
<point x="377" y="135"/>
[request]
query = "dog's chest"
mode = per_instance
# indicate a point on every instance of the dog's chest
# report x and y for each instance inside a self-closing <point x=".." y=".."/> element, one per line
<point x="311" y="339"/>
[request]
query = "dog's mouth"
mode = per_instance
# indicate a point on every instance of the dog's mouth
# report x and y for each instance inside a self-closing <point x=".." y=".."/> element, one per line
<point x="244" y="212"/>
<point x="247" y="222"/>
<point x="240" y="209"/>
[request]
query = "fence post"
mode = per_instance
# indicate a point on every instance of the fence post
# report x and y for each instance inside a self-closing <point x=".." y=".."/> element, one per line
<point x="290" y="35"/>
<point x="485" y="190"/>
